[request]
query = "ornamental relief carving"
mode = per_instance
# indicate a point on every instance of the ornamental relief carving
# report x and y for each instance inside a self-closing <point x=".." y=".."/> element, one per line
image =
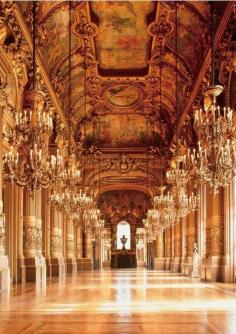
<point x="56" y="244"/>
<point x="29" y="237"/>
<point x="215" y="240"/>
<point x="38" y="240"/>
<point x="124" y="164"/>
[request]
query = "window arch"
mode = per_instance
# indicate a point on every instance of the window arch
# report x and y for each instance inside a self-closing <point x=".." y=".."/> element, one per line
<point x="123" y="228"/>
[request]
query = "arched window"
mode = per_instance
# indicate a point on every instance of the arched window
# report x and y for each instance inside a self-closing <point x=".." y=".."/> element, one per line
<point x="123" y="228"/>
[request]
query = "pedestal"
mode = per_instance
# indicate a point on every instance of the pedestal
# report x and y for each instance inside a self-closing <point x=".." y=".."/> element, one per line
<point x="106" y="264"/>
<point x="187" y="265"/>
<point x="4" y="274"/>
<point x="71" y="266"/>
<point x="58" y="267"/>
<point x="176" y="265"/>
<point x="84" y="264"/>
<point x="214" y="268"/>
<point x="159" y="263"/>
<point x="195" y="272"/>
<point x="168" y="263"/>
<point x="35" y="270"/>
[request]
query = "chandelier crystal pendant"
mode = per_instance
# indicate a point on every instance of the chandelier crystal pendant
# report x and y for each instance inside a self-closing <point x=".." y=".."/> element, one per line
<point x="215" y="158"/>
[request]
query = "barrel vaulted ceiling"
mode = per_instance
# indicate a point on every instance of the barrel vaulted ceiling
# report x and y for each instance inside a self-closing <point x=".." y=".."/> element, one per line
<point x="116" y="79"/>
<point x="123" y="58"/>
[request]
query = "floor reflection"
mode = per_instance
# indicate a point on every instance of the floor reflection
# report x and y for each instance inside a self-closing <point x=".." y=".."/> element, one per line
<point x="102" y="300"/>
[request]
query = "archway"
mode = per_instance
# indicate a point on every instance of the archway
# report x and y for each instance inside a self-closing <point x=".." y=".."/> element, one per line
<point x="123" y="229"/>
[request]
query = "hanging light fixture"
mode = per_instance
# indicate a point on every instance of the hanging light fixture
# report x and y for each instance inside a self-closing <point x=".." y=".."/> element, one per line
<point x="215" y="158"/>
<point x="64" y="195"/>
<point x="32" y="129"/>
<point x="179" y="175"/>
<point x="71" y="173"/>
<point x="163" y="203"/>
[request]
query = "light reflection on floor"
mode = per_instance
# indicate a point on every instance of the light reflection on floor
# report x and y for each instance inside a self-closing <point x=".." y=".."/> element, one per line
<point x="124" y="294"/>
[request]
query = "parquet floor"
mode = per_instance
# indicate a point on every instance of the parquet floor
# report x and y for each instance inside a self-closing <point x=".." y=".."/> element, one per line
<point x="120" y="302"/>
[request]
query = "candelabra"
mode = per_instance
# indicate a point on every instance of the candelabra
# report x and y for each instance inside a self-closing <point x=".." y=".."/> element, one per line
<point x="215" y="158"/>
<point x="178" y="174"/>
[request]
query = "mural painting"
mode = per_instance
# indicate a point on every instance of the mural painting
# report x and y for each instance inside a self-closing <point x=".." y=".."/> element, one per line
<point x="123" y="95"/>
<point x="122" y="41"/>
<point x="189" y="35"/>
<point x="54" y="46"/>
<point x="122" y="131"/>
<point x="124" y="203"/>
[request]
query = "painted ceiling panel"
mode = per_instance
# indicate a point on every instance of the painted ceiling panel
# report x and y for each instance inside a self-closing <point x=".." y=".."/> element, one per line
<point x="122" y="41"/>
<point x="54" y="46"/>
<point x="191" y="41"/>
<point x="121" y="204"/>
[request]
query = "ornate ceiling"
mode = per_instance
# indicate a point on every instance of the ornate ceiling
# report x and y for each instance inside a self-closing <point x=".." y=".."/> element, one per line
<point x="117" y="107"/>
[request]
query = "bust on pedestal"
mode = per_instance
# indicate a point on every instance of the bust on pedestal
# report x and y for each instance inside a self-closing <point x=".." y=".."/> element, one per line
<point x="195" y="272"/>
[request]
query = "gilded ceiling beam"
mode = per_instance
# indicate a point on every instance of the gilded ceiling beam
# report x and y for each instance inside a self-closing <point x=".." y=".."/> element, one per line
<point x="28" y="38"/>
<point x="203" y="71"/>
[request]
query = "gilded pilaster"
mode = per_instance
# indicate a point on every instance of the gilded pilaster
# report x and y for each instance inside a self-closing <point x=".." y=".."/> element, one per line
<point x="213" y="262"/>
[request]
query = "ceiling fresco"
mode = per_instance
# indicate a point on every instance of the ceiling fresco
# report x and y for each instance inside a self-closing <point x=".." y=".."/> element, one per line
<point x="118" y="100"/>
<point x="119" y="131"/>
<point x="117" y="205"/>
<point x="122" y="41"/>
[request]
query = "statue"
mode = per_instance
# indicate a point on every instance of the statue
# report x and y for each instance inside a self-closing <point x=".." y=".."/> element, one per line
<point x="195" y="272"/>
<point x="123" y="241"/>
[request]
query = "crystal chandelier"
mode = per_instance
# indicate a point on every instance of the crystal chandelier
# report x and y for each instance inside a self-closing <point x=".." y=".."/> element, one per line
<point x="163" y="201"/>
<point x="215" y="158"/>
<point x="178" y="175"/>
<point x="31" y="133"/>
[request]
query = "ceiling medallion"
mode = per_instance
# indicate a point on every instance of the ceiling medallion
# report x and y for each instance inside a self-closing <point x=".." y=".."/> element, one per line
<point x="122" y="95"/>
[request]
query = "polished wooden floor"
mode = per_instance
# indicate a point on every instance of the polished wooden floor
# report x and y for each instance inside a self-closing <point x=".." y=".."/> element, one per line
<point x="120" y="302"/>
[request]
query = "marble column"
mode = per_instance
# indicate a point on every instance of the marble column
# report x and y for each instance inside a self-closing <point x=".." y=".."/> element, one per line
<point x="159" y="262"/>
<point x="4" y="266"/>
<point x="213" y="263"/>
